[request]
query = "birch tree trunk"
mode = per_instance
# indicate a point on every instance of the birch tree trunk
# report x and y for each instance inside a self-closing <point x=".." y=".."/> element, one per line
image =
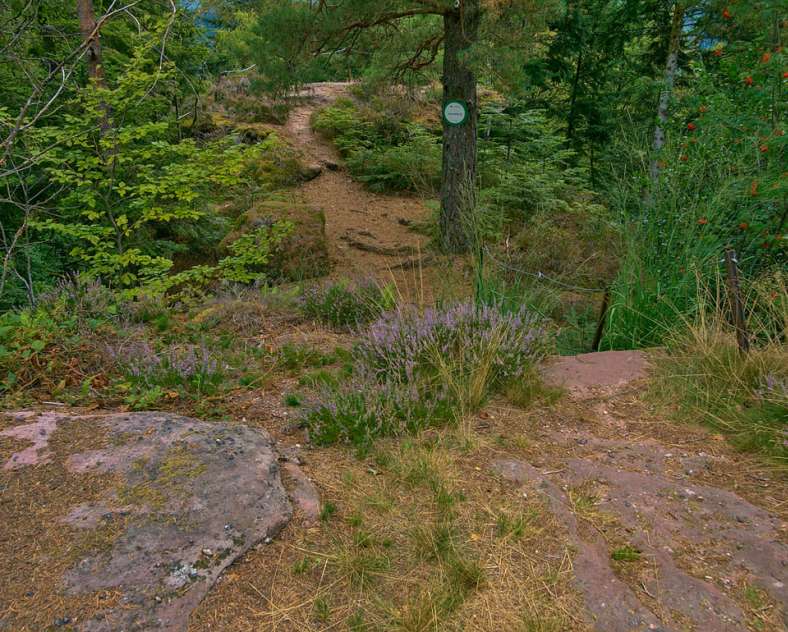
<point x="663" y="109"/>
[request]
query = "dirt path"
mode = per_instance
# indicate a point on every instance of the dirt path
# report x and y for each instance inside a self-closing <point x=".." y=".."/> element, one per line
<point x="368" y="233"/>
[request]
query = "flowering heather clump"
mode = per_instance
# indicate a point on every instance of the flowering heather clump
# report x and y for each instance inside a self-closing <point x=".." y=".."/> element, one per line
<point x="139" y="359"/>
<point x="774" y="388"/>
<point x="413" y="370"/>
<point x="83" y="299"/>
<point x="346" y="305"/>
<point x="187" y="365"/>
<point x="464" y="338"/>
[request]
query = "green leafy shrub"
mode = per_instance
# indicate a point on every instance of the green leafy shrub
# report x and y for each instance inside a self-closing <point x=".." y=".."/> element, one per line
<point x="125" y="191"/>
<point x="345" y="305"/>
<point x="384" y="152"/>
<point x="411" y="165"/>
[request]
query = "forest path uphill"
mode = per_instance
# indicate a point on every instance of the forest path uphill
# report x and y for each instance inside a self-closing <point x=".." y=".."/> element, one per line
<point x="368" y="234"/>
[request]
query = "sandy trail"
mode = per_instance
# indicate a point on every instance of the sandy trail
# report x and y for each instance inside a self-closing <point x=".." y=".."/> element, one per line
<point x="368" y="234"/>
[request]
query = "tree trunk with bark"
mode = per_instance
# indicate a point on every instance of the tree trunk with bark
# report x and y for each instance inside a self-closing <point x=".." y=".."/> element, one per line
<point x="663" y="109"/>
<point x="88" y="29"/>
<point x="458" y="184"/>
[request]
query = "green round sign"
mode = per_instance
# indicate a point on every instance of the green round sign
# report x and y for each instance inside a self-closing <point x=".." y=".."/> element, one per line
<point x="455" y="112"/>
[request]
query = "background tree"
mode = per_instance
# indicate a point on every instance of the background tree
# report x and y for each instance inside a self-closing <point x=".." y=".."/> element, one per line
<point x="464" y="32"/>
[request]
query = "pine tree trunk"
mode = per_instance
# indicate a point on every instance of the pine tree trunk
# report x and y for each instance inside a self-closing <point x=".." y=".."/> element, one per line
<point x="458" y="184"/>
<point x="663" y="109"/>
<point x="87" y="27"/>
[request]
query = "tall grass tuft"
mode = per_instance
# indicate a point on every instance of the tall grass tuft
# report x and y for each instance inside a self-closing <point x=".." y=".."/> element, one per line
<point x="345" y="305"/>
<point x="743" y="395"/>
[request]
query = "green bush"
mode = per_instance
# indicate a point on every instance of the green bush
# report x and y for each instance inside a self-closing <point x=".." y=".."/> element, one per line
<point x="386" y="153"/>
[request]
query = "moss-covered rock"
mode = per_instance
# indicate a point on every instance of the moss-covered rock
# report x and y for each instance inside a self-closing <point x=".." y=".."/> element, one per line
<point x="304" y="254"/>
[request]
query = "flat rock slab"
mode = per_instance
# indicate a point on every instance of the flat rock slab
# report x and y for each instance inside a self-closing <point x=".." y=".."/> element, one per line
<point x="591" y="374"/>
<point x="191" y="498"/>
<point x="697" y="543"/>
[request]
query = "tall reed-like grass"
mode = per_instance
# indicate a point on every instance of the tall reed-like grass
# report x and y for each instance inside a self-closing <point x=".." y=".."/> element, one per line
<point x="715" y="191"/>
<point x="702" y="371"/>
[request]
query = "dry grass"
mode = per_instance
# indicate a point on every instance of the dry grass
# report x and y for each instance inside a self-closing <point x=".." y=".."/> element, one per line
<point x="36" y="546"/>
<point x="423" y="538"/>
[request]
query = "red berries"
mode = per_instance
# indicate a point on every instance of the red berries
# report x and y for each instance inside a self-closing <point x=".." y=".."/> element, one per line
<point x="702" y="221"/>
<point x="684" y="158"/>
<point x="726" y="14"/>
<point x="744" y="226"/>
<point x="766" y="57"/>
<point x="764" y="148"/>
<point x="748" y="80"/>
<point x="717" y="52"/>
<point x="691" y="127"/>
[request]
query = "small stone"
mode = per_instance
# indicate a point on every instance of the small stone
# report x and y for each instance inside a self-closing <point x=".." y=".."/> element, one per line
<point x="61" y="621"/>
<point x="207" y="552"/>
<point x="268" y="540"/>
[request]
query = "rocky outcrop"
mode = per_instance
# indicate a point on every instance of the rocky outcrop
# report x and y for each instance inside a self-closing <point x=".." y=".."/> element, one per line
<point x="189" y="498"/>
